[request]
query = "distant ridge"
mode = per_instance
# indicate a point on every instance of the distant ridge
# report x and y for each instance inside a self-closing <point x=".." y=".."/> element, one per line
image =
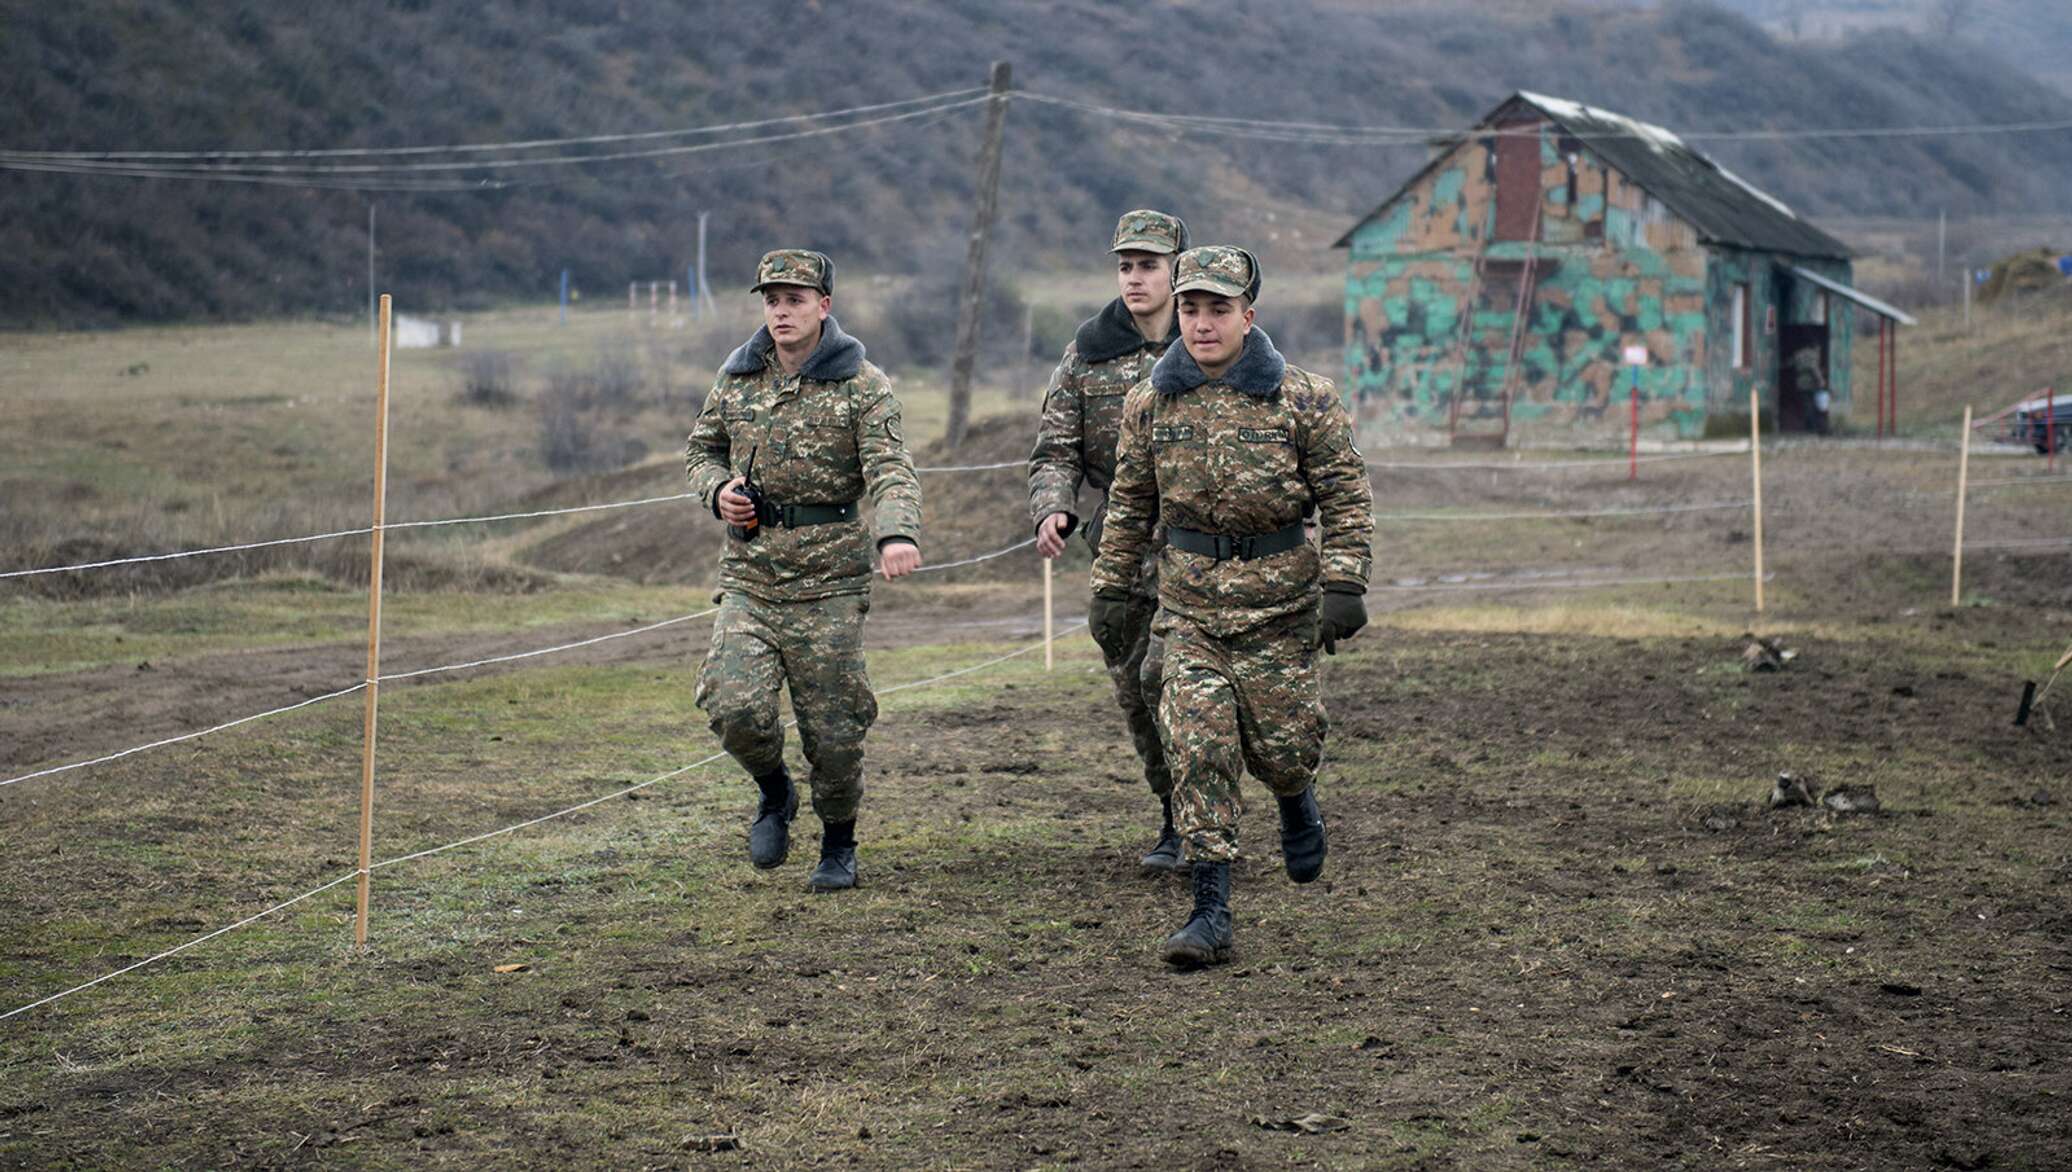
<point x="99" y="74"/>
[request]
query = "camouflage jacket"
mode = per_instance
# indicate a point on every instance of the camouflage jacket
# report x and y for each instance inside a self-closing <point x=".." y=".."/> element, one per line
<point x="1246" y="454"/>
<point x="1082" y="411"/>
<point x="824" y="436"/>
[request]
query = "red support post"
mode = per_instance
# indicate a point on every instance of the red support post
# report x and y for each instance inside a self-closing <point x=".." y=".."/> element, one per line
<point x="1881" y="377"/>
<point x="1893" y="411"/>
<point x="1633" y="439"/>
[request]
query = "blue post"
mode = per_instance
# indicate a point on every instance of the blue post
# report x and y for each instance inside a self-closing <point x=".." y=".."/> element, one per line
<point x="564" y="297"/>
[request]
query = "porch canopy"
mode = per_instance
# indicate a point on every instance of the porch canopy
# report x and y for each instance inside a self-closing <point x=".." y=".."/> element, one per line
<point x="1882" y="309"/>
<point x="1888" y="343"/>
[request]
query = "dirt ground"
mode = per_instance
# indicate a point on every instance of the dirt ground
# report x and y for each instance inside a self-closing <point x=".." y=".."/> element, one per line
<point x="1559" y="926"/>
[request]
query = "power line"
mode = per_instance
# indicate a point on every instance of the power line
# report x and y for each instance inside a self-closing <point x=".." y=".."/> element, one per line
<point x="1353" y="135"/>
<point x="515" y="145"/>
<point x="261" y="172"/>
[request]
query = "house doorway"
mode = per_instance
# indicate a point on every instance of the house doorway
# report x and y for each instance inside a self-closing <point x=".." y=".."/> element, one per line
<point x="1803" y="372"/>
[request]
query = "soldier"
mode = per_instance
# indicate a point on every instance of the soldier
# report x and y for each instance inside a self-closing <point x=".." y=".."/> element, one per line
<point x="796" y="429"/>
<point x="1082" y="411"/>
<point x="1231" y="449"/>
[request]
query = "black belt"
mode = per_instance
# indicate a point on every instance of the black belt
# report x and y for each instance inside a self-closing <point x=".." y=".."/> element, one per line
<point x="797" y="516"/>
<point x="1223" y="547"/>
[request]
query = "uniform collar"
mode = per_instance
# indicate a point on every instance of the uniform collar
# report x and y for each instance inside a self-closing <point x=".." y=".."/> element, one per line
<point x="1112" y="333"/>
<point x="1257" y="372"/>
<point x="837" y="357"/>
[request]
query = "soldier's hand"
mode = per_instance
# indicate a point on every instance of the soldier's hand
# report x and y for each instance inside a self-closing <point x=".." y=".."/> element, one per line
<point x="1050" y="534"/>
<point x="1339" y="616"/>
<point x="1107" y="616"/>
<point x="898" y="559"/>
<point x="734" y="508"/>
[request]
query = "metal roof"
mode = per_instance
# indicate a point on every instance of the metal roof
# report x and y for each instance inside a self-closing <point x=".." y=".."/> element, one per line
<point x="1722" y="206"/>
<point x="1857" y="295"/>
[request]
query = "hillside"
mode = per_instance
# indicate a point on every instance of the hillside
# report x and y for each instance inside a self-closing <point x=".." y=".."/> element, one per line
<point x="184" y="75"/>
<point x="2033" y="35"/>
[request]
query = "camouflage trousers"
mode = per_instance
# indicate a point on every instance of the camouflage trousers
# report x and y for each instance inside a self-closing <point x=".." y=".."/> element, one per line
<point x="1135" y="675"/>
<point x="815" y="648"/>
<point x="1249" y="701"/>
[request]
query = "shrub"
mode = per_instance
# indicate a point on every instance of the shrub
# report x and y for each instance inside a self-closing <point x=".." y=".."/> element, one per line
<point x="488" y="379"/>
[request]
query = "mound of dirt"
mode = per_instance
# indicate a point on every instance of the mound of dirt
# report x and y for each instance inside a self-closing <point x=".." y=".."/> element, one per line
<point x="2034" y="271"/>
<point x="963" y="514"/>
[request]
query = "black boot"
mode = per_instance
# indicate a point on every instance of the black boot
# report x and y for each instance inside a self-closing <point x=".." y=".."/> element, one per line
<point x="769" y="840"/>
<point x="837" y="869"/>
<point x="1166" y="855"/>
<point x="1302" y="836"/>
<point x="1205" y="939"/>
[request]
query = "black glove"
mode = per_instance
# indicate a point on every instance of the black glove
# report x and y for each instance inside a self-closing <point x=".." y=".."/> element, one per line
<point x="1339" y="616"/>
<point x="1108" y="616"/>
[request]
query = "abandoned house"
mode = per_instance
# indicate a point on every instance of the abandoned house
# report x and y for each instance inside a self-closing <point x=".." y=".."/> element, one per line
<point x="1499" y="295"/>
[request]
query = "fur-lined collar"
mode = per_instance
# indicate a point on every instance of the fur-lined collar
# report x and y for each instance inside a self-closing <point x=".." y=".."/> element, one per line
<point x="838" y="356"/>
<point x="1258" y="370"/>
<point x="1112" y="333"/>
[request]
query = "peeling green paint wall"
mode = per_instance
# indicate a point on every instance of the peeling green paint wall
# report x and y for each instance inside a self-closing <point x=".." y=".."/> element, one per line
<point x="1612" y="268"/>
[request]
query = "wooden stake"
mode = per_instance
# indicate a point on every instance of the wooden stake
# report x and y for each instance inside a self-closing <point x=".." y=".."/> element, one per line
<point x="1755" y="454"/>
<point x="381" y="401"/>
<point x="965" y="357"/>
<point x="1963" y="478"/>
<point x="1047" y="627"/>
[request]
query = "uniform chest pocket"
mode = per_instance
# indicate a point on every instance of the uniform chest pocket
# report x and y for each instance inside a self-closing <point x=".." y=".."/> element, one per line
<point x="1185" y="472"/>
<point x="1263" y="453"/>
<point x="826" y="434"/>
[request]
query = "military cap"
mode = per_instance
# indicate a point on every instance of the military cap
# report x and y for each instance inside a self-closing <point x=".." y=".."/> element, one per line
<point x="1145" y="230"/>
<point x="1223" y="269"/>
<point x="795" y="266"/>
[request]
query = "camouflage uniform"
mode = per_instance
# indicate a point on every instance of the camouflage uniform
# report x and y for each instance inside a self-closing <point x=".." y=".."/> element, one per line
<point x="793" y="599"/>
<point x="1075" y="444"/>
<point x="1247" y="454"/>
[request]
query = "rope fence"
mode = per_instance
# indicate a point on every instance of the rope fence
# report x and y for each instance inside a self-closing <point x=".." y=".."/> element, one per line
<point x="471" y="840"/>
<point x="453" y="667"/>
<point x="1470" y="582"/>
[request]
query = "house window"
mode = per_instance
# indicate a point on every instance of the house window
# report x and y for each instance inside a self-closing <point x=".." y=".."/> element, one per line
<point x="1743" y="341"/>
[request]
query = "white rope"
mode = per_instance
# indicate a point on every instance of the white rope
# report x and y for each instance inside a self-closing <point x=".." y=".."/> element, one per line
<point x="1553" y="465"/>
<point x="484" y="837"/>
<point x="185" y="736"/>
<point x="972" y="561"/>
<point x="180" y="948"/>
<point x="1659" y="509"/>
<point x="427" y="671"/>
<point x="1537" y="584"/>
<point x="628" y="634"/>
<point x="462" y="148"/>
<point x="975" y="467"/>
<point x="627" y="504"/>
<point x="2020" y="543"/>
<point x="195" y="553"/>
<point x="185" y="553"/>
<point x="2024" y="482"/>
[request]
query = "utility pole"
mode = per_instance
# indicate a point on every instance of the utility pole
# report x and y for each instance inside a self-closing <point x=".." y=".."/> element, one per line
<point x="373" y="331"/>
<point x="975" y="263"/>
<point x="703" y="302"/>
<point x="1942" y="233"/>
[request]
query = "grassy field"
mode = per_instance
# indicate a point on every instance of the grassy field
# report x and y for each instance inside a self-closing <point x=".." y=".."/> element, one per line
<point x="1559" y="926"/>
